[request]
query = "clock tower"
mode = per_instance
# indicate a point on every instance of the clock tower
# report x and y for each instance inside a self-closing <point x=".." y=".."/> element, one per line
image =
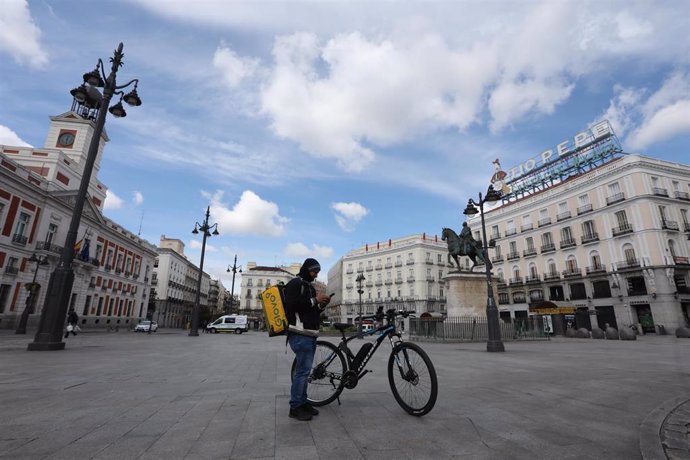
<point x="71" y="133"/>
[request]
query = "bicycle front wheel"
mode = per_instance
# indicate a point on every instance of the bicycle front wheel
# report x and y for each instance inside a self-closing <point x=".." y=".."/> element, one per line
<point x="325" y="380"/>
<point x="413" y="378"/>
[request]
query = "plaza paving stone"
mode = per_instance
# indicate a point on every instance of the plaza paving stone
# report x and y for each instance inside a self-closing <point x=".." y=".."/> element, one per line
<point x="167" y="396"/>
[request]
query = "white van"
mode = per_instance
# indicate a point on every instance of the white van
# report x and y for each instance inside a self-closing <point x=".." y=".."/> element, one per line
<point x="229" y="323"/>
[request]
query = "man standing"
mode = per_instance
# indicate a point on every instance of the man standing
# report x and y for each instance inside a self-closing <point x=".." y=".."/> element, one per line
<point x="303" y="308"/>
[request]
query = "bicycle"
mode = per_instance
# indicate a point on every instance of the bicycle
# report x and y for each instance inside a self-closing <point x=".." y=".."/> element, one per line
<point x="411" y="373"/>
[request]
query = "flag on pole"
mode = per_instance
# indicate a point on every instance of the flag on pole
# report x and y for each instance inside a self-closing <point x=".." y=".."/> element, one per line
<point x="78" y="245"/>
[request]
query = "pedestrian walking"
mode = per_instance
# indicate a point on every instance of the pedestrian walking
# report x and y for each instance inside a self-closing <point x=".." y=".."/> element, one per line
<point x="303" y="308"/>
<point x="72" y="323"/>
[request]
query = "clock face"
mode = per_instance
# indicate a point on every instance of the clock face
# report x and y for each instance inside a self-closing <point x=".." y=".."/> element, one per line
<point x="66" y="139"/>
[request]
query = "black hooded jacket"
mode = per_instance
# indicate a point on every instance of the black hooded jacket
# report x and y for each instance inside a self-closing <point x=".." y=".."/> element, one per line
<point x="300" y="306"/>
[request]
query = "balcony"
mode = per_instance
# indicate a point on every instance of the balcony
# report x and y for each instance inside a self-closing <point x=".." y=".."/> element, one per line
<point x="108" y="267"/>
<point x="545" y="221"/>
<point x="11" y="270"/>
<point x="510" y="231"/>
<point x="398" y="280"/>
<point x="495" y="236"/>
<point x="388" y="282"/>
<point x="429" y="262"/>
<point x="659" y="191"/>
<point x="630" y="263"/>
<point x="410" y="279"/>
<point x="568" y="243"/>
<point x="388" y="265"/>
<point x="369" y="283"/>
<point x="550" y="247"/>
<point x="682" y="195"/>
<point x="526" y="227"/>
<point x="680" y="260"/>
<point x="591" y="238"/>
<point x="529" y="252"/>
<point x="370" y="268"/>
<point x="19" y="239"/>
<point x="552" y="276"/>
<point x="399" y="263"/>
<point x="563" y="216"/>
<point x="409" y="262"/>
<point x="349" y="286"/>
<point x="584" y="209"/>
<point x="378" y="283"/>
<point x="45" y="246"/>
<point x="497" y="259"/>
<point x="513" y="255"/>
<point x="595" y="269"/>
<point x="430" y="279"/>
<point x="516" y="280"/>
<point x="670" y="225"/>
<point x="533" y="279"/>
<point x="622" y="230"/>
<point x="615" y="198"/>
<point x="571" y="272"/>
<point x="500" y="282"/>
<point x="378" y="267"/>
<point x="350" y="271"/>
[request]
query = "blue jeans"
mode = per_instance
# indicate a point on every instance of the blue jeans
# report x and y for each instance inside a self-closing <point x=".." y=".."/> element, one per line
<point x="304" y="348"/>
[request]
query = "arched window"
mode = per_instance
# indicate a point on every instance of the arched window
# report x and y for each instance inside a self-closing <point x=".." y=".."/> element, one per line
<point x="595" y="261"/>
<point x="551" y="267"/>
<point x="629" y="254"/>
<point x="571" y="264"/>
<point x="533" y="271"/>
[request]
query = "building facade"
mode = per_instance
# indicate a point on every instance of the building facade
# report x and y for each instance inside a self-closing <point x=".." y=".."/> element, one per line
<point x="175" y="281"/>
<point x="38" y="188"/>
<point x="609" y="244"/>
<point x="407" y="272"/>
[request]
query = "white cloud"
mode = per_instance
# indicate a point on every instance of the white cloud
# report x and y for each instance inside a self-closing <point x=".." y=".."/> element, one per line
<point x="9" y="137"/>
<point x="251" y="215"/>
<point x="301" y="251"/>
<point x="347" y="215"/>
<point x="138" y="198"/>
<point x="195" y="244"/>
<point x="664" y="124"/>
<point x="233" y="68"/>
<point x="622" y="110"/>
<point x="112" y="201"/>
<point x="19" y="35"/>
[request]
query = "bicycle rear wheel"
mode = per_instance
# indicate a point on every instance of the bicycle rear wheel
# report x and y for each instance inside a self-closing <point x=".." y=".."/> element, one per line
<point x="412" y="378"/>
<point x="325" y="381"/>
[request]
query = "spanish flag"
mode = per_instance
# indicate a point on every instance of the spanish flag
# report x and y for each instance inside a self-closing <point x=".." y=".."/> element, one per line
<point x="78" y="245"/>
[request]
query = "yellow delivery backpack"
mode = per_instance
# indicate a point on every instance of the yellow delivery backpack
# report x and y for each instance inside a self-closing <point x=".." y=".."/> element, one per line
<point x="272" y="301"/>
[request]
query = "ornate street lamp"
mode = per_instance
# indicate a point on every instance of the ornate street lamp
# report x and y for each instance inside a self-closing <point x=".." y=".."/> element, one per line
<point x="234" y="269"/>
<point x="90" y="103"/>
<point x="205" y="228"/>
<point x="495" y="343"/>
<point x="33" y="288"/>
<point x="360" y="291"/>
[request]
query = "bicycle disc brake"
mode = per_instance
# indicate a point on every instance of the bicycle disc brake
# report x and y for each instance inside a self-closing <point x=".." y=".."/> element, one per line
<point x="350" y="379"/>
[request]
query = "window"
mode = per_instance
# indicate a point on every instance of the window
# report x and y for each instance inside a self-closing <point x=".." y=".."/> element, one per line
<point x="601" y="289"/>
<point x="494" y="231"/>
<point x="676" y="186"/>
<point x="562" y="207"/>
<point x="578" y="291"/>
<point x="533" y="271"/>
<point x="614" y="189"/>
<point x="546" y="239"/>
<point x="513" y="247"/>
<point x="4" y="295"/>
<point x="52" y="230"/>
<point x="87" y="304"/>
<point x="596" y="260"/>
<point x="566" y="235"/>
<point x="588" y="229"/>
<point x="543" y="213"/>
<point x="583" y="200"/>
<point x="571" y="264"/>
<point x="629" y="254"/>
<point x="510" y="228"/>
<point x="552" y="267"/>
<point x="622" y="219"/>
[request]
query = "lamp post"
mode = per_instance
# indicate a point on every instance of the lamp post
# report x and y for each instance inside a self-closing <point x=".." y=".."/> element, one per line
<point x="194" y="330"/>
<point x="29" y="308"/>
<point x="234" y="269"/>
<point x="359" y="280"/>
<point x="495" y="343"/>
<point x="90" y="104"/>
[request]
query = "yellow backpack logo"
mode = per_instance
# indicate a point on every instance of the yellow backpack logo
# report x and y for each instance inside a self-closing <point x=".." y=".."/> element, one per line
<point x="274" y="312"/>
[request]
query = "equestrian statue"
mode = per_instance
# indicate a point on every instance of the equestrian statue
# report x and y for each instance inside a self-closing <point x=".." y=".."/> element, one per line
<point x="464" y="245"/>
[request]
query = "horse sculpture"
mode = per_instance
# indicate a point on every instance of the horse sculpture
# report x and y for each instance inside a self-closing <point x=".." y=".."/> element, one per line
<point x="455" y="249"/>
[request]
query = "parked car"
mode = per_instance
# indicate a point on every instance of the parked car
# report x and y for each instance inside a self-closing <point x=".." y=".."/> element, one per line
<point x="144" y="326"/>
<point x="229" y="323"/>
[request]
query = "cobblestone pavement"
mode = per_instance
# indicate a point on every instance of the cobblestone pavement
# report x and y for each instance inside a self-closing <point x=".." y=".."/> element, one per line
<point x="167" y="395"/>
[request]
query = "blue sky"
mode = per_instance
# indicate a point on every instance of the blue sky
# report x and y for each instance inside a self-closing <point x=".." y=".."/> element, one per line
<point x="311" y="128"/>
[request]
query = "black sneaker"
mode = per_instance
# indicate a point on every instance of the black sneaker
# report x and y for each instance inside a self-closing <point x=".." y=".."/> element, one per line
<point x="309" y="409"/>
<point x="300" y="414"/>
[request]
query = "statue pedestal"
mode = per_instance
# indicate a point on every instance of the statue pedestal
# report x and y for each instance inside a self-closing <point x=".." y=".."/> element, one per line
<point x="466" y="294"/>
